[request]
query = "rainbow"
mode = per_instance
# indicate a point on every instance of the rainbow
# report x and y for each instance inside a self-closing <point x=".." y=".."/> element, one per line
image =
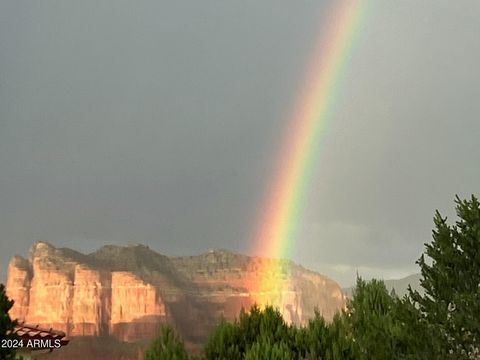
<point x="279" y="218"/>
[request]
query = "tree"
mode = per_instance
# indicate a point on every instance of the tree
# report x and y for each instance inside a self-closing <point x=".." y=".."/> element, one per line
<point x="264" y="349"/>
<point x="370" y="318"/>
<point x="224" y="342"/>
<point x="168" y="346"/>
<point x="263" y="334"/>
<point x="417" y="341"/>
<point x="386" y="327"/>
<point x="450" y="268"/>
<point x="322" y="340"/>
<point x="311" y="341"/>
<point x="234" y="340"/>
<point x="339" y="340"/>
<point x="6" y="324"/>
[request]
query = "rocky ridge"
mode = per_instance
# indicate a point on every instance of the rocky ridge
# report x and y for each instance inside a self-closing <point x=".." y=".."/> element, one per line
<point x="125" y="292"/>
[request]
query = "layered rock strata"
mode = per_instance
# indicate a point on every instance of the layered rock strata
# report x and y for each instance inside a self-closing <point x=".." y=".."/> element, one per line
<point x="126" y="292"/>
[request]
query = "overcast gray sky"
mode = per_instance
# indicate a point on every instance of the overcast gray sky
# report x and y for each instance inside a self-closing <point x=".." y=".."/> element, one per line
<point x="159" y="122"/>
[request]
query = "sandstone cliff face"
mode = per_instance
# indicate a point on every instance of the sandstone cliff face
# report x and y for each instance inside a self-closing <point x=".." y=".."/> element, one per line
<point x="126" y="292"/>
<point x="232" y="281"/>
<point x="18" y="285"/>
<point x="136" y="308"/>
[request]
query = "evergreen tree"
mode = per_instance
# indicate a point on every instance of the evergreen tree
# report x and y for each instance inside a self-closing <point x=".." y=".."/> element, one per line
<point x="450" y="268"/>
<point x="6" y="324"/>
<point x="339" y="341"/>
<point x="386" y="327"/>
<point x="225" y="343"/>
<point x="264" y="349"/>
<point x="369" y="315"/>
<point x="416" y="340"/>
<point x="263" y="334"/>
<point x="233" y="341"/>
<point x="168" y="346"/>
<point x="310" y="342"/>
<point x="322" y="340"/>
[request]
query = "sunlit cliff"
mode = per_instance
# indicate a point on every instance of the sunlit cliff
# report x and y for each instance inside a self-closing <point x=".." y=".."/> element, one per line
<point x="125" y="292"/>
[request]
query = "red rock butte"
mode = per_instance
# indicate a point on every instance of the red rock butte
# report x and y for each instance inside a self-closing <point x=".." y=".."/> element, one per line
<point x="126" y="292"/>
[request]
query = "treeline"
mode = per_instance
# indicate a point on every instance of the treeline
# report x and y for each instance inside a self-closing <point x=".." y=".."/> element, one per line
<point x="443" y="323"/>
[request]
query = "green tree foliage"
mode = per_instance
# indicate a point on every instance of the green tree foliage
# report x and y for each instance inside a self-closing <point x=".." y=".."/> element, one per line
<point x="322" y="340"/>
<point x="450" y="269"/>
<point x="168" y="346"/>
<point x="225" y="343"/>
<point x="371" y="317"/>
<point x="339" y="341"/>
<point x="232" y="341"/>
<point x="266" y="350"/>
<point x="311" y="341"/>
<point x="386" y="327"/>
<point x="263" y="334"/>
<point x="6" y="323"/>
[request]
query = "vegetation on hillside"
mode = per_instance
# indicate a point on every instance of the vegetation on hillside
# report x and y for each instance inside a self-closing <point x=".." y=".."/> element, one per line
<point x="441" y="323"/>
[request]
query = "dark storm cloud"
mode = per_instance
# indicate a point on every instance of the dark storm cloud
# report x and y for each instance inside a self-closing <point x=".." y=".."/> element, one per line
<point x="156" y="122"/>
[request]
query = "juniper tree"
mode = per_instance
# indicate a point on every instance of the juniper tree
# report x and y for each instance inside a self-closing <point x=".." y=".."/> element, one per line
<point x="234" y="340"/>
<point x="386" y="327"/>
<point x="450" y="268"/>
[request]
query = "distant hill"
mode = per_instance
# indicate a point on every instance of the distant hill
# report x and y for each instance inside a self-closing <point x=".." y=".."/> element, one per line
<point x="400" y="285"/>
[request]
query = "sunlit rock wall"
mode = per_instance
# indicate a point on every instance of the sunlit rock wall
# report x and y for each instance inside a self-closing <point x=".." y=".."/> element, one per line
<point x="126" y="292"/>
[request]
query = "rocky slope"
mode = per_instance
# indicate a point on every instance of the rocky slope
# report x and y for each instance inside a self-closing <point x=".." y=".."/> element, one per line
<point x="125" y="292"/>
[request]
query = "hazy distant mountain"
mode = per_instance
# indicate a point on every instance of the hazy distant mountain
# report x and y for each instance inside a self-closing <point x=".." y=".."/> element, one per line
<point x="400" y="285"/>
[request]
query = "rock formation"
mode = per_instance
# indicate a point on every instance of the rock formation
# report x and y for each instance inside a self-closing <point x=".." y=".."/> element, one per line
<point x="125" y="292"/>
